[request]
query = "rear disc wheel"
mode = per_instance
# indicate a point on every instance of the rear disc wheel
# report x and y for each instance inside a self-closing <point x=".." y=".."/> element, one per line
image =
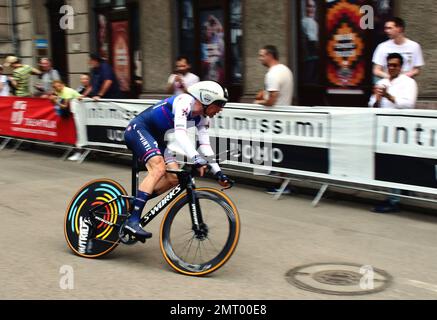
<point x="94" y="238"/>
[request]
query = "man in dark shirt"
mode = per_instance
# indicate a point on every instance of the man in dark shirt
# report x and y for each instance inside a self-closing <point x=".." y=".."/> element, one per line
<point x="104" y="83"/>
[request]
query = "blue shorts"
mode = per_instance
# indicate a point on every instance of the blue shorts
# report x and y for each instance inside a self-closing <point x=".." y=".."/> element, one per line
<point x="145" y="145"/>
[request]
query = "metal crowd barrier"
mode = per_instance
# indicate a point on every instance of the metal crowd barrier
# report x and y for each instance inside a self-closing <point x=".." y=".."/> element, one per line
<point x="286" y="179"/>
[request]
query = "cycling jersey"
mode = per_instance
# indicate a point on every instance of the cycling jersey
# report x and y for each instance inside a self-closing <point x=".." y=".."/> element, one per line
<point x="146" y="134"/>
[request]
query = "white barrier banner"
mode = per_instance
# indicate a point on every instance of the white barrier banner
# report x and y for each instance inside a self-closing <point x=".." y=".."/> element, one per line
<point x="103" y="123"/>
<point x="388" y="148"/>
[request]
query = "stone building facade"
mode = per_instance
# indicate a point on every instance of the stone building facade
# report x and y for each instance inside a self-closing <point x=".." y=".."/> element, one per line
<point x="30" y="29"/>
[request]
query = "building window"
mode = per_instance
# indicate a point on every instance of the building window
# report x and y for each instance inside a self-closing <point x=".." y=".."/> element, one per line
<point x="5" y="24"/>
<point x="114" y="4"/>
<point x="103" y="3"/>
<point x="117" y="26"/>
<point x="210" y="35"/>
<point x="186" y="37"/>
<point x="236" y="41"/>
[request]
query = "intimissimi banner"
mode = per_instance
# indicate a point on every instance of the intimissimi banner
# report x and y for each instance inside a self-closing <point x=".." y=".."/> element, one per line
<point x="377" y="147"/>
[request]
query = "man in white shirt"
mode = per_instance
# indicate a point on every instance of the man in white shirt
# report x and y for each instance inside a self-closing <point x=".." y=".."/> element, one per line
<point x="410" y="50"/>
<point x="179" y="81"/>
<point x="396" y="92"/>
<point x="278" y="80"/>
<point x="278" y="88"/>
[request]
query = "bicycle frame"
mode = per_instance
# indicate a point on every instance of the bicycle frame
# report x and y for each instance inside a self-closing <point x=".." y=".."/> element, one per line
<point x="187" y="183"/>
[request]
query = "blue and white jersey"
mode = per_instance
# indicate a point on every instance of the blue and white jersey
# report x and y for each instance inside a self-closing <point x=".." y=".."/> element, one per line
<point x="172" y="113"/>
<point x="175" y="114"/>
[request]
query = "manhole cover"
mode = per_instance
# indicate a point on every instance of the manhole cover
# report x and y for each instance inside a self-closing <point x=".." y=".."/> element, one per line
<point x="344" y="279"/>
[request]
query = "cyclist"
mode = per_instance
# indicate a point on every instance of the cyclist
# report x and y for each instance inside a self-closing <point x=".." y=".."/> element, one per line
<point x="145" y="136"/>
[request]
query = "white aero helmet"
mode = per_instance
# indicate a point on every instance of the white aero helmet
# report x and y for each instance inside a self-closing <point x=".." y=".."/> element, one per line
<point x="209" y="92"/>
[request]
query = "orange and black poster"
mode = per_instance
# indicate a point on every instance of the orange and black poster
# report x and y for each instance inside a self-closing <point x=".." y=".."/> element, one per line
<point x="346" y="45"/>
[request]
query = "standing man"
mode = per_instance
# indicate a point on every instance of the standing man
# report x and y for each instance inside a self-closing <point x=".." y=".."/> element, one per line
<point x="278" y="87"/>
<point x="20" y="79"/>
<point x="399" y="91"/>
<point x="182" y="78"/>
<point x="104" y="83"/>
<point x="278" y="81"/>
<point x="411" y="51"/>
<point x="47" y="77"/>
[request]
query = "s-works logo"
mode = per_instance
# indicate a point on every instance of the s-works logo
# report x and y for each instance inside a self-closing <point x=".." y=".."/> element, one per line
<point x="18" y="110"/>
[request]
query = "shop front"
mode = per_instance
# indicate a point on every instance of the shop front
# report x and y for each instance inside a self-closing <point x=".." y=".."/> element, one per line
<point x="209" y="33"/>
<point x="116" y="39"/>
<point x="336" y="40"/>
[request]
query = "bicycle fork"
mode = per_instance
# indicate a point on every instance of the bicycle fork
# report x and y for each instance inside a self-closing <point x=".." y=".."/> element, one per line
<point x="199" y="227"/>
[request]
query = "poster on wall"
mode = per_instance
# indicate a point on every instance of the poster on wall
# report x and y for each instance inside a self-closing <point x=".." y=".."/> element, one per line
<point x="121" y="54"/>
<point x="310" y="42"/>
<point x="102" y="36"/>
<point x="345" y="46"/>
<point x="212" y="45"/>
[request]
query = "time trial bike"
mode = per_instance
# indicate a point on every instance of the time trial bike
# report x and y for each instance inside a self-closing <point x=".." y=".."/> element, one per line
<point x="198" y="234"/>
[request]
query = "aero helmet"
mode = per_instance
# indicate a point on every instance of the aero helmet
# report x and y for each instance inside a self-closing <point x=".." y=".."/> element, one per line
<point x="209" y="92"/>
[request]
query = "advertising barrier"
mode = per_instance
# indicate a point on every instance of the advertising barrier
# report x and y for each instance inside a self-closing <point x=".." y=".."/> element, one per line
<point x="35" y="118"/>
<point x="385" y="148"/>
<point x="103" y="123"/>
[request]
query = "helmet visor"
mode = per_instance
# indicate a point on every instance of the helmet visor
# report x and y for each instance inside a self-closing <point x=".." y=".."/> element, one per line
<point x="219" y="103"/>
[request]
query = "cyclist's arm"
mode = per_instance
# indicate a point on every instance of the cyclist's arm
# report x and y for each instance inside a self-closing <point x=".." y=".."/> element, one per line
<point x="205" y="143"/>
<point x="182" y="108"/>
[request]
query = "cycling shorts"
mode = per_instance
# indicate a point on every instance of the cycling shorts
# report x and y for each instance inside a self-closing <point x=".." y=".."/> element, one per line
<point x="145" y="145"/>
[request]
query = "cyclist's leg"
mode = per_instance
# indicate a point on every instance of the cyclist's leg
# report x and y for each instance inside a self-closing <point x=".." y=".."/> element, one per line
<point x="156" y="173"/>
<point x="169" y="180"/>
<point x="145" y="148"/>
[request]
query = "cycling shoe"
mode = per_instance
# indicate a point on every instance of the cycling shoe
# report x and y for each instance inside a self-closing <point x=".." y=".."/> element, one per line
<point x="134" y="229"/>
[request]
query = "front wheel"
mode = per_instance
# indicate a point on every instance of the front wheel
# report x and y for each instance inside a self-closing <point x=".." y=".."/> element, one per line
<point x="198" y="254"/>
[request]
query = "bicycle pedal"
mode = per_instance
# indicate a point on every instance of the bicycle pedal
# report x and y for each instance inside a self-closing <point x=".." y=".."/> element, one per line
<point x="140" y="240"/>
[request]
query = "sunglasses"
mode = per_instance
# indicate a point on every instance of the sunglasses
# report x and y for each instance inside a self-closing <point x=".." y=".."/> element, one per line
<point x="220" y="104"/>
<point x="394" y="65"/>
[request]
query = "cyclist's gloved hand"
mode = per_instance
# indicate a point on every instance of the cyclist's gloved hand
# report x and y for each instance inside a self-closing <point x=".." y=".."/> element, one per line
<point x="201" y="164"/>
<point x="223" y="180"/>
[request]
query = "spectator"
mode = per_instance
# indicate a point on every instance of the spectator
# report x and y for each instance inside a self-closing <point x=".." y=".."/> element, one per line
<point x="47" y="77"/>
<point x="182" y="78"/>
<point x="278" y="87"/>
<point x="20" y="79"/>
<point x="62" y="96"/>
<point x="397" y="92"/>
<point x="278" y="80"/>
<point x="104" y="83"/>
<point x="85" y="83"/>
<point x="398" y="43"/>
<point x="4" y="84"/>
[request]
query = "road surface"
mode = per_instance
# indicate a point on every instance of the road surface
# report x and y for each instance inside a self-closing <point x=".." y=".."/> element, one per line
<point x="276" y="236"/>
